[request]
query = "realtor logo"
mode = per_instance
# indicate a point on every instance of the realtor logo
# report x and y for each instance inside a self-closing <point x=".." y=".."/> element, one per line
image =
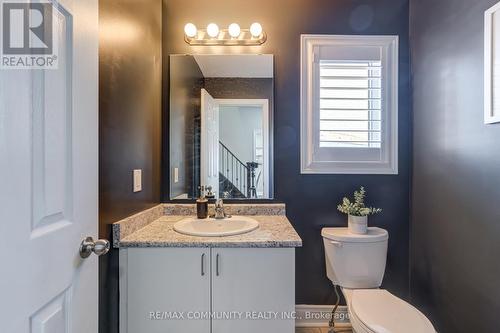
<point x="28" y="38"/>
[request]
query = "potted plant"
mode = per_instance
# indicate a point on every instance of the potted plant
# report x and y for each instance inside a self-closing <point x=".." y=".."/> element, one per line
<point x="357" y="212"/>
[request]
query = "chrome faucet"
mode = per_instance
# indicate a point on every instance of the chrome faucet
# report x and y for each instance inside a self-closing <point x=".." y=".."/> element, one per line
<point x="219" y="210"/>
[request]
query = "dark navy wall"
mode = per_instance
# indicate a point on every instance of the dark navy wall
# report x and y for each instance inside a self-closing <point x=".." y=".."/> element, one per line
<point x="455" y="227"/>
<point x="129" y="126"/>
<point x="311" y="199"/>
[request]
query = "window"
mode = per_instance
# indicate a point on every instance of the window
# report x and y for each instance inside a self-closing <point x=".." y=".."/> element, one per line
<point x="349" y="104"/>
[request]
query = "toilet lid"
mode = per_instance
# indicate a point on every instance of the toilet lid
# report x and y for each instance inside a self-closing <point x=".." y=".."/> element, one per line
<point x="372" y="235"/>
<point x="383" y="312"/>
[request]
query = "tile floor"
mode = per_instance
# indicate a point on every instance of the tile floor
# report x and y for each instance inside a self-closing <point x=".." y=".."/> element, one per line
<point x="316" y="330"/>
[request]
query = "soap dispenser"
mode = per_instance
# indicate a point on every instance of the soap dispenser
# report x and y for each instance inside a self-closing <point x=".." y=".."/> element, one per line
<point x="202" y="204"/>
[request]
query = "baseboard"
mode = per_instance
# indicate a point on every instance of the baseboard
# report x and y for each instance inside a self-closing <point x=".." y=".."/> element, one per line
<point x="319" y="315"/>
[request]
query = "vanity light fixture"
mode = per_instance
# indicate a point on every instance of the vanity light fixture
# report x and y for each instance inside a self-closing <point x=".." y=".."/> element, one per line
<point x="256" y="30"/>
<point x="234" y="30"/>
<point x="212" y="30"/>
<point x="233" y="35"/>
<point x="190" y="30"/>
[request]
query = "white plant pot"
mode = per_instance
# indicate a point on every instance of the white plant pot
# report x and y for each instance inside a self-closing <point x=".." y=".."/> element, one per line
<point x="358" y="224"/>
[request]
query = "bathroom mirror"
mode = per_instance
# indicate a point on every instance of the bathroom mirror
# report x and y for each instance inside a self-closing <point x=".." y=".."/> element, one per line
<point x="221" y="109"/>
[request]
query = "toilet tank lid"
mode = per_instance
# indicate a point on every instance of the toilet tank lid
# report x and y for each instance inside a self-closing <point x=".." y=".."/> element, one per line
<point x="373" y="235"/>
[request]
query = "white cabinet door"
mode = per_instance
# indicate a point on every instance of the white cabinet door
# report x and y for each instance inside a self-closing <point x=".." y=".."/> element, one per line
<point x="161" y="287"/>
<point x="258" y="283"/>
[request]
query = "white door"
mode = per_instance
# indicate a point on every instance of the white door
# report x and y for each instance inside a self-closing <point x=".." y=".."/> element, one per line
<point x="209" y="159"/>
<point x="49" y="192"/>
<point x="165" y="290"/>
<point x="259" y="283"/>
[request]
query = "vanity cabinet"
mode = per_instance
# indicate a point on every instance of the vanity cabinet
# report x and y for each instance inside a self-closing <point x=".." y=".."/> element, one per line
<point x="212" y="290"/>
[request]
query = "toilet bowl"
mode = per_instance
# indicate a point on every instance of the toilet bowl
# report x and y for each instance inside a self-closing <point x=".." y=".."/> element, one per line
<point x="356" y="263"/>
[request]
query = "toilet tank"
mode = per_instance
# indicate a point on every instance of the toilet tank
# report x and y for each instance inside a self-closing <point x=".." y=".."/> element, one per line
<point x="355" y="261"/>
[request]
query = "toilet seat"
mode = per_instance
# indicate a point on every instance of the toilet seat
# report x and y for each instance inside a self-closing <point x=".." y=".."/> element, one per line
<point x="378" y="311"/>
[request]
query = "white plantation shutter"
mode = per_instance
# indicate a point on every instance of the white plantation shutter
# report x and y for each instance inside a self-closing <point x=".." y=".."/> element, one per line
<point x="349" y="104"/>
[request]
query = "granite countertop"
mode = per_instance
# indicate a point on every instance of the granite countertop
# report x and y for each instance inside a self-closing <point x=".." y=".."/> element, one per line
<point x="154" y="228"/>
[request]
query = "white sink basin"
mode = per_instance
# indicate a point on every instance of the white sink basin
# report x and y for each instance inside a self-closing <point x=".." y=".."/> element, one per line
<point x="211" y="227"/>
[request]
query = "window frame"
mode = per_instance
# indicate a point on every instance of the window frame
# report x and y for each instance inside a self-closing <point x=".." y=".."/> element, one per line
<point x="316" y="160"/>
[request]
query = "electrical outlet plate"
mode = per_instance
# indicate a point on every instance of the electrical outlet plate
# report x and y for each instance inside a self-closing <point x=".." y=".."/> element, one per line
<point x="137" y="180"/>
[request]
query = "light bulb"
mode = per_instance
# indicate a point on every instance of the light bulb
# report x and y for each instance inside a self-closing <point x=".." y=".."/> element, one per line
<point x="234" y="30"/>
<point x="190" y="30"/>
<point x="256" y="29"/>
<point x="213" y="30"/>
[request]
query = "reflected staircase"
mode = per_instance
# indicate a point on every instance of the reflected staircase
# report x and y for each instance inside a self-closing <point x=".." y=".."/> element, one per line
<point x="236" y="179"/>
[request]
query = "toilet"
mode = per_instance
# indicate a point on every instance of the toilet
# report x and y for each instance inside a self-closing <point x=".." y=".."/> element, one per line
<point x="356" y="263"/>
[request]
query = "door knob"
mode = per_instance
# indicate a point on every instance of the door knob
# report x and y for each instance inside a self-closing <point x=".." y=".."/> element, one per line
<point x="88" y="245"/>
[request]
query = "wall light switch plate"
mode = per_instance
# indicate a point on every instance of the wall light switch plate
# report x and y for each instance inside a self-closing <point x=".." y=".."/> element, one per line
<point x="137" y="180"/>
<point x="176" y="175"/>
